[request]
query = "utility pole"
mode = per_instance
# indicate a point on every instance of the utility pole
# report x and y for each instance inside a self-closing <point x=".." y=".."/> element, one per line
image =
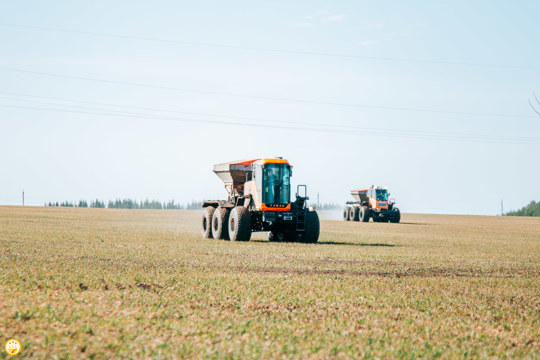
<point x="502" y="208"/>
<point x="318" y="204"/>
<point x="23" y="198"/>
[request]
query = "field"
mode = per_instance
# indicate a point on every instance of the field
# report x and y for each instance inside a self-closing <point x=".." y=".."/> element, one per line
<point x="106" y="283"/>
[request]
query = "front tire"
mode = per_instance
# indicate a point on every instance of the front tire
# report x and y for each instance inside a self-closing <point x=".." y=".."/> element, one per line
<point x="311" y="233"/>
<point x="206" y="222"/>
<point x="240" y="224"/>
<point x="396" y="216"/>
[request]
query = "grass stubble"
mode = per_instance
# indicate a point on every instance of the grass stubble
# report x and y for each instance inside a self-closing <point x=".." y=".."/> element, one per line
<point x="106" y="283"/>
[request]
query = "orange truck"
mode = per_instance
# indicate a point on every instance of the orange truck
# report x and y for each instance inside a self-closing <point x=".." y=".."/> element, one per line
<point x="373" y="204"/>
<point x="259" y="200"/>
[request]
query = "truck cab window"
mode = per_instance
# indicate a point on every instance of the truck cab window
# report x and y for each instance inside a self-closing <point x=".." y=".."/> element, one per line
<point x="276" y="184"/>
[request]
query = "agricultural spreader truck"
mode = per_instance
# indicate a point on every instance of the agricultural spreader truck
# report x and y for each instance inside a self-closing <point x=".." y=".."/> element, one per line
<point x="373" y="204"/>
<point x="259" y="200"/>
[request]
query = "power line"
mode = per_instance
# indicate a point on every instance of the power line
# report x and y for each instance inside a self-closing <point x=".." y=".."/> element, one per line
<point x="268" y="98"/>
<point x="262" y="49"/>
<point x="367" y="132"/>
<point x="149" y="109"/>
<point x="202" y="114"/>
<point x="343" y="127"/>
<point x="532" y="106"/>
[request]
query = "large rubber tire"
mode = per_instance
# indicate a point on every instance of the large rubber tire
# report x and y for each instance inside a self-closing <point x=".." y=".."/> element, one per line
<point x="206" y="222"/>
<point x="364" y="214"/>
<point x="396" y="216"/>
<point x="220" y="224"/>
<point x="240" y="224"/>
<point x="346" y="214"/>
<point x="313" y="227"/>
<point x="354" y="213"/>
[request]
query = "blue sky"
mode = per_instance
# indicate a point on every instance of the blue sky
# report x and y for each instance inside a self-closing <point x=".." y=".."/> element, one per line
<point x="428" y="99"/>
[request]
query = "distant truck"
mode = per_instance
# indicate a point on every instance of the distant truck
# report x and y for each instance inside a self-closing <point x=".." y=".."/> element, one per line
<point x="259" y="200"/>
<point x="373" y="204"/>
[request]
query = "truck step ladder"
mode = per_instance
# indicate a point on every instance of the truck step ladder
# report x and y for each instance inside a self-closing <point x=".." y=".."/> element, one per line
<point x="301" y="221"/>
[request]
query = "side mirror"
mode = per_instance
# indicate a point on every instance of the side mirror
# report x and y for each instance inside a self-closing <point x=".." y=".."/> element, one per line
<point x="299" y="193"/>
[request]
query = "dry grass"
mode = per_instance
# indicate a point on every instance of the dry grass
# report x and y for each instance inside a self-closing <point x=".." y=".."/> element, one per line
<point x="104" y="283"/>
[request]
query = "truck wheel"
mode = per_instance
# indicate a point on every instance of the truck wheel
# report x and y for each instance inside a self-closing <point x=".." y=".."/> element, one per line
<point x="364" y="214"/>
<point x="396" y="216"/>
<point x="206" y="223"/>
<point x="220" y="224"/>
<point x="311" y="233"/>
<point x="346" y="214"/>
<point x="354" y="213"/>
<point x="240" y="224"/>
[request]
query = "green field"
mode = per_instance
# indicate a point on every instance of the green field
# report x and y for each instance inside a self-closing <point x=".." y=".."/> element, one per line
<point x="109" y="284"/>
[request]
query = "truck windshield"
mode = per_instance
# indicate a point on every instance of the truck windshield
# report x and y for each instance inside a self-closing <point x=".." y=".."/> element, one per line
<point x="276" y="184"/>
<point x="382" y="195"/>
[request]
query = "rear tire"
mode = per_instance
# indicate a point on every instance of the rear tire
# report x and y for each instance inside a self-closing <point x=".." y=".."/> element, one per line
<point x="364" y="214"/>
<point x="311" y="233"/>
<point x="346" y="214"/>
<point x="206" y="222"/>
<point x="220" y="224"/>
<point x="354" y="213"/>
<point x="240" y="224"/>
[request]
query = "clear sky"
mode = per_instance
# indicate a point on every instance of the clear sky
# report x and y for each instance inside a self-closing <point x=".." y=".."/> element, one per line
<point x="138" y="99"/>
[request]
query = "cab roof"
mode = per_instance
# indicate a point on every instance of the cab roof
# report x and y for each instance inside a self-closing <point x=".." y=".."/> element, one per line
<point x="256" y="162"/>
<point x="235" y="172"/>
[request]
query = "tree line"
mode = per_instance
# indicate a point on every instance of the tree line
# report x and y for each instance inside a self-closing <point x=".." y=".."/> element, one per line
<point x="533" y="209"/>
<point x="328" y="206"/>
<point x="153" y="204"/>
<point x="128" y="204"/>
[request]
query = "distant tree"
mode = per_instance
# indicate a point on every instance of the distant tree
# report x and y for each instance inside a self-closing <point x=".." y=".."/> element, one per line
<point x="128" y="204"/>
<point x="329" y="206"/>
<point x="172" y="205"/>
<point x="533" y="209"/>
<point x="194" y="205"/>
<point x="97" y="204"/>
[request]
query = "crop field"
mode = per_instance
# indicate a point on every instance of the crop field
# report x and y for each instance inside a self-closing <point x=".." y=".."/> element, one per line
<point x="109" y="284"/>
